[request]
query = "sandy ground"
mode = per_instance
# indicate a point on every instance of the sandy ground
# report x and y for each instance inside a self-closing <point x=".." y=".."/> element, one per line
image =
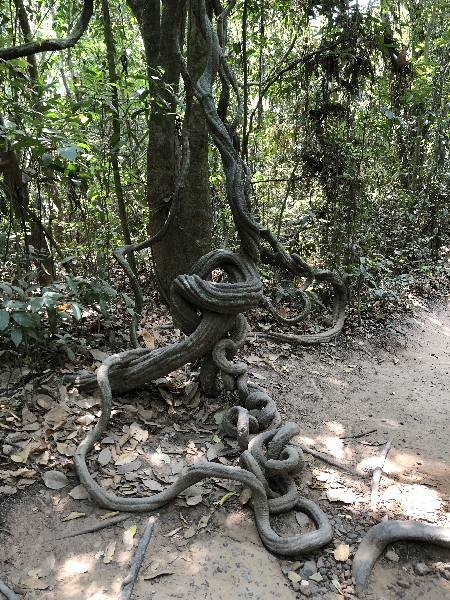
<point x="396" y="385"/>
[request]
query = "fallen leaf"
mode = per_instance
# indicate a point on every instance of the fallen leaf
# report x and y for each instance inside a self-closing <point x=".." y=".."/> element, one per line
<point x="203" y="521"/>
<point x="190" y="532"/>
<point x="173" y="532"/>
<point x="45" y="567"/>
<point x="79" y="493"/>
<point x="104" y="457"/>
<point x="55" y="480"/>
<point x="24" y="472"/>
<point x="86" y="419"/>
<point x="340" y="495"/>
<point x="158" y="573"/>
<point x="245" y="495"/>
<point x="73" y="515"/>
<point x="149" y="340"/>
<point x="126" y="458"/>
<point x="152" y="485"/>
<point x="342" y="552"/>
<point x="294" y="577"/>
<point x="61" y="448"/>
<point x="33" y="584"/>
<point x="193" y="500"/>
<point x="108" y="515"/>
<point x="109" y="552"/>
<point x="225" y="498"/>
<point x="98" y="354"/>
<point x="128" y="537"/>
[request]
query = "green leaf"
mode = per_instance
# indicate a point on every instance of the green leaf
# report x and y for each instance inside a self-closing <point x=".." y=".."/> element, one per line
<point x="26" y="319"/>
<point x="69" y="152"/>
<point x="47" y="159"/>
<point x="6" y="289"/>
<point x="16" y="336"/>
<point x="76" y="310"/>
<point x="4" y="319"/>
<point x="36" y="304"/>
<point x="69" y="352"/>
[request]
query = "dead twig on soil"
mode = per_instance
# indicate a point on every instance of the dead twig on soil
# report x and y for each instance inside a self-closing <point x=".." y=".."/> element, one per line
<point x="93" y="528"/>
<point x="128" y="582"/>
<point x="7" y="592"/>
<point x="357" y="435"/>
<point x="377" y="474"/>
<point x="328" y="459"/>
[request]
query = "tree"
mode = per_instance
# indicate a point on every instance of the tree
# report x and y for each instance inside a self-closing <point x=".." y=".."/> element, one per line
<point x="189" y="235"/>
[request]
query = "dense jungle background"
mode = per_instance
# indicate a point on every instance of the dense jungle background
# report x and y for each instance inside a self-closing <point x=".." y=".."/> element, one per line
<point x="344" y="128"/>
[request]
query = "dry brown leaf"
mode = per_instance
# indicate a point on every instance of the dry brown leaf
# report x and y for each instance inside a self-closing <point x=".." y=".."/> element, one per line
<point x="31" y="583"/>
<point x="24" y="472"/>
<point x="158" y="573"/>
<point x="342" y="552"/>
<point x="193" y="500"/>
<point x="128" y="537"/>
<point x="173" y="532"/>
<point x="203" y="521"/>
<point x="45" y="567"/>
<point x="149" y="340"/>
<point x="245" y="495"/>
<point x="73" y="515"/>
<point x="104" y="457"/>
<point x="190" y="532"/>
<point x="55" y="480"/>
<point x="61" y="448"/>
<point x="125" y="459"/>
<point x="8" y="489"/>
<point x="109" y="552"/>
<point x="86" y="419"/>
<point x="79" y="493"/>
<point x="109" y="515"/>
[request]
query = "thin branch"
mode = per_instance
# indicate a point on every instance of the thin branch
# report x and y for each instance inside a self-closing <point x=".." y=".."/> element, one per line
<point x="128" y="582"/>
<point x="357" y="435"/>
<point x="7" y="592"/>
<point x="52" y="44"/>
<point x="96" y="527"/>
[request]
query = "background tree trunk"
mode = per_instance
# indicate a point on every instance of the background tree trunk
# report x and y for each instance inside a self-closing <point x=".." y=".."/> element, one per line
<point x="189" y="237"/>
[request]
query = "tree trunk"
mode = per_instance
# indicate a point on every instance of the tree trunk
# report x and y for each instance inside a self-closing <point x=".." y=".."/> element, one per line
<point x="189" y="237"/>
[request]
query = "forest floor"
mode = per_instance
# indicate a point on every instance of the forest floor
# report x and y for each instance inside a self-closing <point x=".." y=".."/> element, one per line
<point x="205" y="544"/>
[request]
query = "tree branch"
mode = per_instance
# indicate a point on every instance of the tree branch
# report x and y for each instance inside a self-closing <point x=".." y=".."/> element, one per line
<point x="55" y="44"/>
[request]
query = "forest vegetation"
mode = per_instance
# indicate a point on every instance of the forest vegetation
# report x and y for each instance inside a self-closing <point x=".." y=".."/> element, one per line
<point x="345" y="129"/>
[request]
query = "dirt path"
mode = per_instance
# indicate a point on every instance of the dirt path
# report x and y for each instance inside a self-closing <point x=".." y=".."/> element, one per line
<point x="396" y="386"/>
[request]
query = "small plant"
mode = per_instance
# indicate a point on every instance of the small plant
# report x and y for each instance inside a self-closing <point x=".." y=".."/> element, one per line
<point x="31" y="312"/>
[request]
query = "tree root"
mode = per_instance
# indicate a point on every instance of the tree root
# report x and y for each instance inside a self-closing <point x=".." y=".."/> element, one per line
<point x="379" y="536"/>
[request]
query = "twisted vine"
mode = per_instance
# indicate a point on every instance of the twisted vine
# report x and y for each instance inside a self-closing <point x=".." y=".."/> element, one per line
<point x="210" y="314"/>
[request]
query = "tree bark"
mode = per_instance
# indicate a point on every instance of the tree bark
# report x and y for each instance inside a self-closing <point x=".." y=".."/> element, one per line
<point x="189" y="236"/>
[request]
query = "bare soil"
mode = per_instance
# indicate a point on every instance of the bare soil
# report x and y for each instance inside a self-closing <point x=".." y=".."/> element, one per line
<point x="395" y="383"/>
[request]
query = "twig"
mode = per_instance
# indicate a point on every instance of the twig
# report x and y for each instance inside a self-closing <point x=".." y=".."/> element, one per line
<point x="96" y="527"/>
<point x="357" y="435"/>
<point x="328" y="460"/>
<point x="7" y="592"/>
<point x="377" y="474"/>
<point x="128" y="582"/>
